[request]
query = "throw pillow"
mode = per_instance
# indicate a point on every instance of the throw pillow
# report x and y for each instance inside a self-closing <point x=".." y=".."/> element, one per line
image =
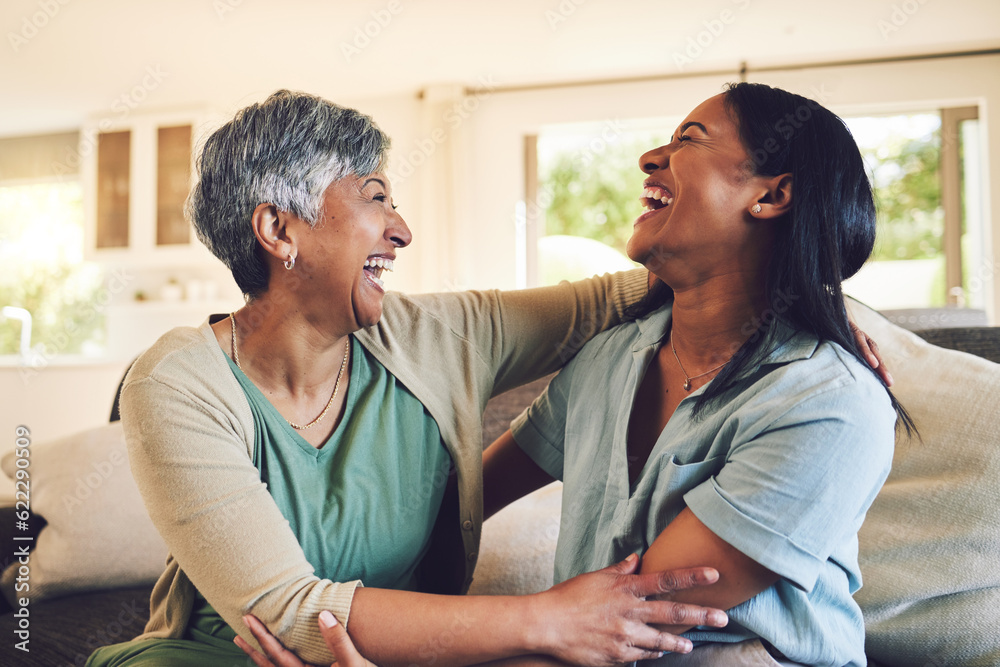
<point x="98" y="535"/>
<point x="930" y="545"/>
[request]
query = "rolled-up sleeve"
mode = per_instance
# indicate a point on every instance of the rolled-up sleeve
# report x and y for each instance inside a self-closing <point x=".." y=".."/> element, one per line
<point x="540" y="431"/>
<point x="787" y="497"/>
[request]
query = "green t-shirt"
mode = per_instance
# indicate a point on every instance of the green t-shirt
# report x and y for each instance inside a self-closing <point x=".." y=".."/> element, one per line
<point x="362" y="506"/>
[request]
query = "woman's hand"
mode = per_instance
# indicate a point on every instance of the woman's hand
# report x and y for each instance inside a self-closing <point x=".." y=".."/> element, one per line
<point x="598" y="619"/>
<point x="334" y="634"/>
<point x="601" y="618"/>
<point x="869" y="348"/>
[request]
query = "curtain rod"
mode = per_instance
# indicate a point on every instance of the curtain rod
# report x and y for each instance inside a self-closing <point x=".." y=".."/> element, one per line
<point x="741" y="72"/>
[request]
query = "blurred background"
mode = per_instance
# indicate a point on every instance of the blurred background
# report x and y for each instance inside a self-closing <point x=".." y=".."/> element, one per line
<point x="516" y="131"/>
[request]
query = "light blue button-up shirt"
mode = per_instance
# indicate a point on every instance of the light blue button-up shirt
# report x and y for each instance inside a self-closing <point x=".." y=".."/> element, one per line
<point x="784" y="470"/>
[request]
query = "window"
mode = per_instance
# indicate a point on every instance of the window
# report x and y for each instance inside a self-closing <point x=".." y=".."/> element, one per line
<point x="41" y="246"/>
<point x="589" y="184"/>
<point x="925" y="173"/>
<point x="586" y="183"/>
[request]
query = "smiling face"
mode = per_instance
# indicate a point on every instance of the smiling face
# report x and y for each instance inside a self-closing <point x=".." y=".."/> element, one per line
<point x="342" y="258"/>
<point x="697" y="195"/>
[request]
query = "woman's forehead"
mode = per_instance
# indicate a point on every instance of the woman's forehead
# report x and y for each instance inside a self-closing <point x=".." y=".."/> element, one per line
<point x="711" y="114"/>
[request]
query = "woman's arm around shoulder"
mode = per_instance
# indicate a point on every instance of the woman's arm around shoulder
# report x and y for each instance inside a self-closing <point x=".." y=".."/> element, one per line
<point x="525" y="334"/>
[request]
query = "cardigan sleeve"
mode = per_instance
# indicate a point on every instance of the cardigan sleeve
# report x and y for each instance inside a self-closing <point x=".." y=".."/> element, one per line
<point x="520" y="335"/>
<point x="204" y="495"/>
<point x="543" y="328"/>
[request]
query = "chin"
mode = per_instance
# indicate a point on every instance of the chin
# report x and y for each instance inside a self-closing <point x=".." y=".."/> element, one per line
<point x="639" y="253"/>
<point x="633" y="253"/>
<point x="369" y="320"/>
<point x="370" y="317"/>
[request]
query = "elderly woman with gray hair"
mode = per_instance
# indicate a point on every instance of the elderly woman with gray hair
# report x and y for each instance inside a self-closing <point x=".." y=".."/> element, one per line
<point x="302" y="445"/>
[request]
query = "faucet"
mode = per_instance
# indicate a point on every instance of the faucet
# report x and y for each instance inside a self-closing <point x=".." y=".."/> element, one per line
<point x="14" y="313"/>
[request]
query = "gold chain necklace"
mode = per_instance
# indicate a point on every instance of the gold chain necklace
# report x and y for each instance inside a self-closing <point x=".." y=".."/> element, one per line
<point x="336" y="387"/>
<point x="687" y="380"/>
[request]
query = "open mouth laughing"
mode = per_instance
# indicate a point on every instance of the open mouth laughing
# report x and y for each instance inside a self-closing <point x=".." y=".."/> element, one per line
<point x="374" y="266"/>
<point x="655" y="196"/>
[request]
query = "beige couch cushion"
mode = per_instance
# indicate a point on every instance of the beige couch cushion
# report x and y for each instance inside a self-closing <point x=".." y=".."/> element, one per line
<point x="98" y="534"/>
<point x="518" y="550"/>
<point x="930" y="546"/>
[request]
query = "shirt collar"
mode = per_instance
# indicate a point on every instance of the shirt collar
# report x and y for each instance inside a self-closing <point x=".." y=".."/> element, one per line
<point x="795" y="345"/>
<point x="651" y="327"/>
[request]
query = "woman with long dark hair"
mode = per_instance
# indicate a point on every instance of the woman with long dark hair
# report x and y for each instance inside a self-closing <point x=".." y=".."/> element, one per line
<point x="737" y="420"/>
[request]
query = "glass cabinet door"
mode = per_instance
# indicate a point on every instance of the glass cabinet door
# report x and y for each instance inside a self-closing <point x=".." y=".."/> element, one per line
<point x="113" y="173"/>
<point x="173" y="180"/>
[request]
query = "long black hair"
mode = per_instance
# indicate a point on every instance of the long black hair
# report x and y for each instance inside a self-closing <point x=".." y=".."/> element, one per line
<point x="829" y="235"/>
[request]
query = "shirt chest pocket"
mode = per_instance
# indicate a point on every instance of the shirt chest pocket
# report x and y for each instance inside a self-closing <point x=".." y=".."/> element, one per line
<point x="668" y="486"/>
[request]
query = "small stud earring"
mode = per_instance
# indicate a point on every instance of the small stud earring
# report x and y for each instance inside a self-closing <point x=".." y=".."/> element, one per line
<point x="755" y="208"/>
<point x="290" y="262"/>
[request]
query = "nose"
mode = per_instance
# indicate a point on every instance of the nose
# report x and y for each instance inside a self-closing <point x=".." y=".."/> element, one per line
<point x="397" y="232"/>
<point x="658" y="158"/>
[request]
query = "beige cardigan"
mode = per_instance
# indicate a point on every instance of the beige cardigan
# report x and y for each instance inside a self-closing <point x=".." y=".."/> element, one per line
<point x="190" y="435"/>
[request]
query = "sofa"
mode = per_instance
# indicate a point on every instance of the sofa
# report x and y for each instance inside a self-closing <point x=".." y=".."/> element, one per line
<point x="929" y="549"/>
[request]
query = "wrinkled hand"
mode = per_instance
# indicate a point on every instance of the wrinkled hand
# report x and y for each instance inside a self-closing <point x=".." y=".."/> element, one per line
<point x="334" y="634"/>
<point x="869" y="348"/>
<point x="603" y="618"/>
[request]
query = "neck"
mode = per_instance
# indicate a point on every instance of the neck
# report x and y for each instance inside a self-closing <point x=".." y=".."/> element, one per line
<point x="285" y="349"/>
<point x="711" y="320"/>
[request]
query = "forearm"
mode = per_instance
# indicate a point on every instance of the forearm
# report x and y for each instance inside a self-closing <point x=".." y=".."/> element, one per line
<point x="525" y="661"/>
<point x="399" y="627"/>
<point x="601" y="618"/>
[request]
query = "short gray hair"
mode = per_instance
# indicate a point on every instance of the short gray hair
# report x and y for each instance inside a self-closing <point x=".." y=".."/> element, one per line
<point x="285" y="151"/>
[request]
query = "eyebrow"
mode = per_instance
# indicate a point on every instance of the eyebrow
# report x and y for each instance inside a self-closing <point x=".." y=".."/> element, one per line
<point x="379" y="181"/>
<point x="693" y="124"/>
